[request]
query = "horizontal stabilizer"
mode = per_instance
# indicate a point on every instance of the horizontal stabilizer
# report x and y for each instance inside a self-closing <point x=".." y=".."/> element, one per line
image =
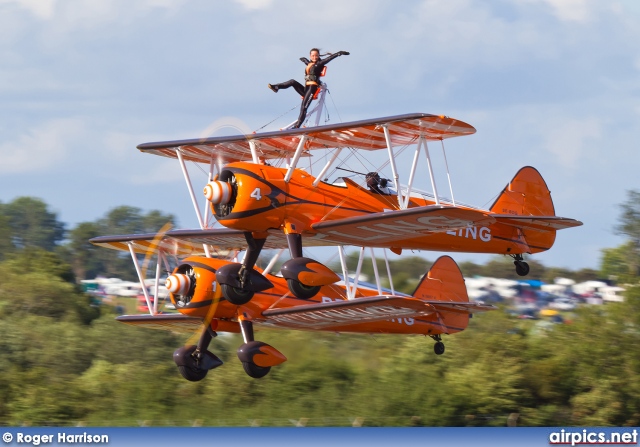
<point x="538" y="223"/>
<point x="380" y="229"/>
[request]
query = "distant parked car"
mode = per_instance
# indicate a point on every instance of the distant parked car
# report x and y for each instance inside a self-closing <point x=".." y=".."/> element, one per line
<point x="563" y="304"/>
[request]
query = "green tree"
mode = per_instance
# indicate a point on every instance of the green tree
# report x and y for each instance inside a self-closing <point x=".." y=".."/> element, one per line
<point x="32" y="224"/>
<point x="89" y="261"/>
<point x="6" y="235"/>
<point x="629" y="225"/>
<point x="85" y="258"/>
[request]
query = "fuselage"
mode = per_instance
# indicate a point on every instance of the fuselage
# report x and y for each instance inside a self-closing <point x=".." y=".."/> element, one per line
<point x="207" y="302"/>
<point x="264" y="201"/>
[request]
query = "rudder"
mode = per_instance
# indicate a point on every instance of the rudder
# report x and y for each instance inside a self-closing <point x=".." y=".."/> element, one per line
<point x="525" y="195"/>
<point x="444" y="282"/>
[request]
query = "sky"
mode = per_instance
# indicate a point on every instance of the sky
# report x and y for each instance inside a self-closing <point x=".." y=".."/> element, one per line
<point x="553" y="84"/>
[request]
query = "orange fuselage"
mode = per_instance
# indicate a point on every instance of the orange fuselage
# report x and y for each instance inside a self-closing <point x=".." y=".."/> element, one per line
<point x="207" y="302"/>
<point x="265" y="201"/>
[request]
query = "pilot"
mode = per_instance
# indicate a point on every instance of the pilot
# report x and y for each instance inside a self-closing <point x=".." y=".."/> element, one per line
<point x="376" y="184"/>
<point x="312" y="80"/>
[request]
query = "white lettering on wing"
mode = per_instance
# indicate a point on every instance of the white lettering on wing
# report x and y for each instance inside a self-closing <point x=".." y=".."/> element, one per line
<point x="383" y="230"/>
<point x="484" y="233"/>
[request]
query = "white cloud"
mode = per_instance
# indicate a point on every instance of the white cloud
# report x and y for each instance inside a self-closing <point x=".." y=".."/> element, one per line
<point x="41" y="148"/>
<point x="255" y="4"/>
<point x="572" y="140"/>
<point x="571" y="10"/>
<point x="165" y="171"/>
<point x="42" y="9"/>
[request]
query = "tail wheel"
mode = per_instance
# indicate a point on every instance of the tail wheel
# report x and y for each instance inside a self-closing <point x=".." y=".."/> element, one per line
<point x="254" y="370"/>
<point x="302" y="291"/>
<point x="522" y="268"/>
<point x="236" y="296"/>
<point x="192" y="374"/>
<point x="438" y="348"/>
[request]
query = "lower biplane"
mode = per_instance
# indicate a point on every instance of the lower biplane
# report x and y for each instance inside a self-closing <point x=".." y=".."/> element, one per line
<point x="440" y="304"/>
<point x="256" y="187"/>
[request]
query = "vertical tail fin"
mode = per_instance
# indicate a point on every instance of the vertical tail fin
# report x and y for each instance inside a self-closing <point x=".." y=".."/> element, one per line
<point x="444" y="282"/>
<point x="525" y="195"/>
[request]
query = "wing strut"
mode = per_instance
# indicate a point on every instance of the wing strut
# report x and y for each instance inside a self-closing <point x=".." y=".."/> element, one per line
<point x="411" y="175"/>
<point x="375" y="271"/>
<point x="453" y="200"/>
<point x="326" y="167"/>
<point x="157" y="285"/>
<point x="392" y="160"/>
<point x="345" y="275"/>
<point x="193" y="196"/>
<point x="254" y="152"/>
<point x="386" y="261"/>
<point x="433" y="180"/>
<point x="139" y="272"/>
<point x="272" y="262"/>
<point x="358" y="270"/>
<point x="296" y="157"/>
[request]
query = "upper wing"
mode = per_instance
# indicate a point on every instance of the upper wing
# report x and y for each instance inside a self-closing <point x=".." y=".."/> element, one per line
<point x="361" y="310"/>
<point x="364" y="134"/>
<point x="169" y="322"/>
<point x="386" y="228"/>
<point x="539" y="223"/>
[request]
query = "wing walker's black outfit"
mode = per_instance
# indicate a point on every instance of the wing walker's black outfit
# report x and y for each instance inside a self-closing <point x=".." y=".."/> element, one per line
<point x="312" y="82"/>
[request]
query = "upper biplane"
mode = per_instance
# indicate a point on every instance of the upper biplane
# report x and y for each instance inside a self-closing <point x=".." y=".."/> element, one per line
<point x="257" y="190"/>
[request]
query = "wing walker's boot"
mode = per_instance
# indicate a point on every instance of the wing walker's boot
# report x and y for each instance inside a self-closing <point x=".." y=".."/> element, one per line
<point x="273" y="87"/>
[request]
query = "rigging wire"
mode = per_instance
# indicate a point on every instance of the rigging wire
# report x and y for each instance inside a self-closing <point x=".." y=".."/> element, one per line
<point x="278" y="117"/>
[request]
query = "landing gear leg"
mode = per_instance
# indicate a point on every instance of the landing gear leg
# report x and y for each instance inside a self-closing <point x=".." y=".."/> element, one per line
<point x="295" y="245"/>
<point x="248" y="350"/>
<point x="438" y="348"/>
<point x="522" y="268"/>
<point x="194" y="362"/>
<point x="290" y="269"/>
<point x="240" y="281"/>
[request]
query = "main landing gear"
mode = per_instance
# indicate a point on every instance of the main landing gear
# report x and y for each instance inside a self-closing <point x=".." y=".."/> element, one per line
<point x="195" y="361"/>
<point x="257" y="357"/>
<point x="239" y="282"/>
<point x="304" y="276"/>
<point x="438" y="348"/>
<point x="522" y="268"/>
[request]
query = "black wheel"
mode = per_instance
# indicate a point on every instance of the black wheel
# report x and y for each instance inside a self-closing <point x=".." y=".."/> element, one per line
<point x="192" y="374"/>
<point x="254" y="370"/>
<point x="522" y="268"/>
<point x="438" y="348"/>
<point x="301" y="291"/>
<point x="236" y="296"/>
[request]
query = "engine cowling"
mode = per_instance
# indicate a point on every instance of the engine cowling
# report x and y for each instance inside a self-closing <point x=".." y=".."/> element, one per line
<point x="248" y="199"/>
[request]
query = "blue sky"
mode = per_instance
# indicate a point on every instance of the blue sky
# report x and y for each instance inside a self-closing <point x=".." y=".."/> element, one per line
<point x="554" y="84"/>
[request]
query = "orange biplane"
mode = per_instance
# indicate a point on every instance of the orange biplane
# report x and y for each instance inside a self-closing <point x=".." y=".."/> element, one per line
<point x="439" y="305"/>
<point x="256" y="188"/>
